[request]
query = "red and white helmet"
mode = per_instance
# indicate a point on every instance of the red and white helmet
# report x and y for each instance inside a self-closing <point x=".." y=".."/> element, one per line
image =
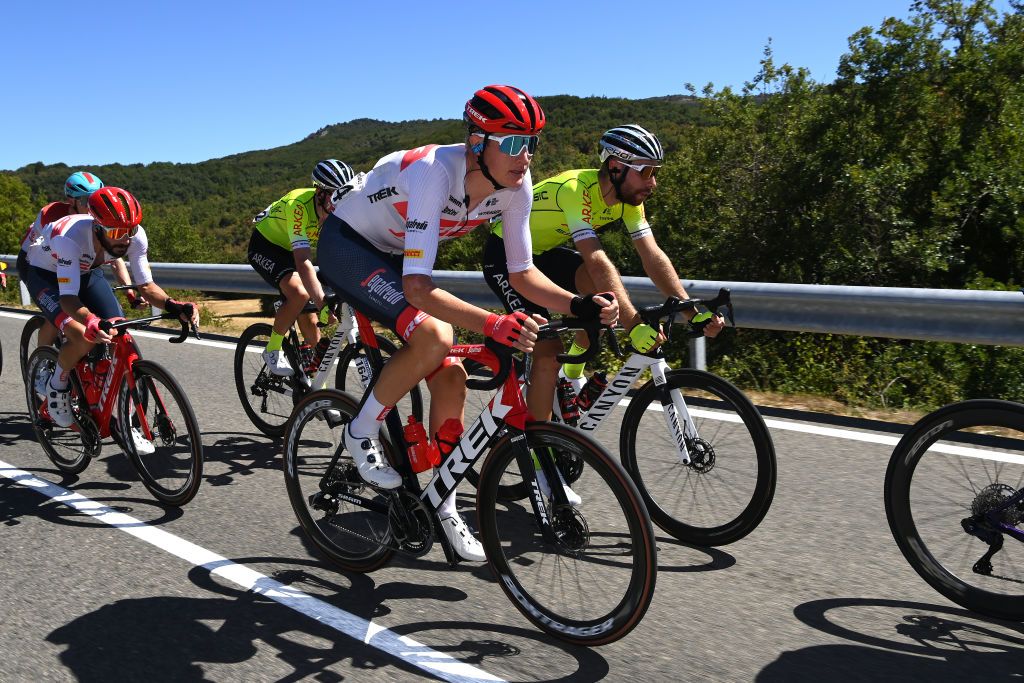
<point x="504" y="109"/>
<point x="113" y="207"/>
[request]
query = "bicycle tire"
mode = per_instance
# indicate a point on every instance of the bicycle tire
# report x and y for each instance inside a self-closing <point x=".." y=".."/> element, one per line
<point x="966" y="588"/>
<point x="347" y="358"/>
<point x="612" y="510"/>
<point x="172" y="480"/>
<point x="304" y="469"/>
<point x="272" y="410"/>
<point x="32" y="326"/>
<point x="667" y="485"/>
<point x="54" y="439"/>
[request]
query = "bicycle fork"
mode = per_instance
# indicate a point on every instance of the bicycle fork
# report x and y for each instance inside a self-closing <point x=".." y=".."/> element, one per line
<point x="677" y="415"/>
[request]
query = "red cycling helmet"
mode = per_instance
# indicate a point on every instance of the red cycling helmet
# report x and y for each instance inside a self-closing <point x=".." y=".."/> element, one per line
<point x="115" y="209"/>
<point x="504" y="109"/>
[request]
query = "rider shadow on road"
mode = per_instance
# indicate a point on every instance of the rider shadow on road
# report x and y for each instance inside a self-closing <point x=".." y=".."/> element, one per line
<point x="16" y="429"/>
<point x="908" y="640"/>
<point x="232" y="455"/>
<point x="362" y="596"/>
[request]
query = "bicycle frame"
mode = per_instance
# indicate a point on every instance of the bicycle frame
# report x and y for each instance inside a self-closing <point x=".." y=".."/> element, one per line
<point x="99" y="397"/>
<point x="506" y="411"/>
<point x="677" y="414"/>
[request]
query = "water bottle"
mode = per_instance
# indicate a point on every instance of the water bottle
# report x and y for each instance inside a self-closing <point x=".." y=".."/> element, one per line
<point x="420" y="458"/>
<point x="567" y="401"/>
<point x="321" y="350"/>
<point x="447" y="438"/>
<point x="591" y="390"/>
<point x="307" y="358"/>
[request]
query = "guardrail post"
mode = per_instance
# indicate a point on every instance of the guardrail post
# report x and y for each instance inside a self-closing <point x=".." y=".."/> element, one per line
<point x="698" y="359"/>
<point x="26" y="298"/>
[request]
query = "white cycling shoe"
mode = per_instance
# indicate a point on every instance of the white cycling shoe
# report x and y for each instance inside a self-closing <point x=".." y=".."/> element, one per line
<point x="58" y="405"/>
<point x="545" y="488"/>
<point x="462" y="539"/>
<point x="143" y="446"/>
<point x="370" y="461"/>
<point x="278" y="363"/>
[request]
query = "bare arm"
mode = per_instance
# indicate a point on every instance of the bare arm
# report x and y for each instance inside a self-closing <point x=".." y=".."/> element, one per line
<point x="304" y="267"/>
<point x="606" y="277"/>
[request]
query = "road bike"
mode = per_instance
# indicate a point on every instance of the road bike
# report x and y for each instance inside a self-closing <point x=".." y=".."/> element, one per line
<point x="954" y="499"/>
<point x="583" y="574"/>
<point x="269" y="399"/>
<point x="696" y="447"/>
<point x="117" y="394"/>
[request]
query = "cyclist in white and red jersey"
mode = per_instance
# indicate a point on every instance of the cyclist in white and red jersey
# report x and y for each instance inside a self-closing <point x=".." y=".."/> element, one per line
<point x="77" y="189"/>
<point x="378" y="249"/>
<point x="62" y="278"/>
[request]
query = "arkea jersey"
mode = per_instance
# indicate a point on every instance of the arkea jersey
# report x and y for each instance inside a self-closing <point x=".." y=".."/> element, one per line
<point x="570" y="205"/>
<point x="48" y="214"/>
<point x="290" y="222"/>
<point x="413" y="200"/>
<point x="67" y="249"/>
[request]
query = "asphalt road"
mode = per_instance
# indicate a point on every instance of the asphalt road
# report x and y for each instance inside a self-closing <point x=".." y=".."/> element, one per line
<point x="109" y="585"/>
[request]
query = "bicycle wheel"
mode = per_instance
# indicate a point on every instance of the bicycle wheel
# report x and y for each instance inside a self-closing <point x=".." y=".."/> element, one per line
<point x="321" y="495"/>
<point x="946" y="477"/>
<point x="266" y="398"/>
<point x="590" y="584"/>
<point x="69" y="449"/>
<point x="159" y="432"/>
<point x="28" y="341"/>
<point x="348" y="375"/>
<point x="726" y="490"/>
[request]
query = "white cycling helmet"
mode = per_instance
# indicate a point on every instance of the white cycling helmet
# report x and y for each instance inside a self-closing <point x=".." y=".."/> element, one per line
<point x="631" y="143"/>
<point x="331" y="174"/>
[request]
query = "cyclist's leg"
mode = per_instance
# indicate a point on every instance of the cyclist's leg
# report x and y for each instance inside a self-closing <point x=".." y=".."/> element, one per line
<point x="275" y="264"/>
<point x="47" y="335"/>
<point x="97" y="296"/>
<point x="371" y="281"/>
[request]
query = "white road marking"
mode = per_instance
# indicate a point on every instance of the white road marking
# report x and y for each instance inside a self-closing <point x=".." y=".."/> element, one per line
<point x="432" y="662"/>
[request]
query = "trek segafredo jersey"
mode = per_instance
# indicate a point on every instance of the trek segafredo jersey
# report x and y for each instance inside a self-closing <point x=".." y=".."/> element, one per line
<point x="413" y="200"/>
<point x="66" y="248"/>
<point x="570" y="205"/>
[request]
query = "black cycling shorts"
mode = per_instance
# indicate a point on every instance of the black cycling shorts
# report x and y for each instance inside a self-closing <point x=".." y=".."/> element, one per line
<point x="559" y="264"/>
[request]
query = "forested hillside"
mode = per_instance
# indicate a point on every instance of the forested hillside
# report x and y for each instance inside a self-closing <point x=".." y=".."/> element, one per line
<point x="906" y="170"/>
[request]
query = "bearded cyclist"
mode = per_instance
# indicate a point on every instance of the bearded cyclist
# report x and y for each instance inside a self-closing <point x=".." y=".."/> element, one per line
<point x="77" y="189"/>
<point x="64" y="282"/>
<point x="280" y="249"/>
<point x="575" y="204"/>
<point x="378" y="250"/>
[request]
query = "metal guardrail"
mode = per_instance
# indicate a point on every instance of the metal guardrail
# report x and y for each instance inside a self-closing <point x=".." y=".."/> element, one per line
<point x="952" y="315"/>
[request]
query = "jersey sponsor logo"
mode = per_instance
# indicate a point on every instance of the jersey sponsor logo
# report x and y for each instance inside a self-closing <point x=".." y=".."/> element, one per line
<point x="539" y="196"/>
<point x="492" y="201"/>
<point x="382" y="288"/>
<point x="382" y="194"/>
<point x="64" y="280"/>
<point x="413" y="225"/>
<point x="47" y="300"/>
<point x="413" y="253"/>
<point x="66" y="262"/>
<point x="298" y="216"/>
<point x="449" y="211"/>
<point x="492" y="212"/>
<point x="512" y="299"/>
<point x="413" y="324"/>
<point x="455" y="201"/>
<point x="586" y="210"/>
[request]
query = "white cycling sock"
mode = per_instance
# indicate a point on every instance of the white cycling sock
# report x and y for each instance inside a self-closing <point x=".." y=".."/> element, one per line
<point x="59" y="378"/>
<point x="367" y="423"/>
<point x="447" y="507"/>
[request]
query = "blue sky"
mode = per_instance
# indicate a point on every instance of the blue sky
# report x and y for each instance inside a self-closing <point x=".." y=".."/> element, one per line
<point x="188" y="81"/>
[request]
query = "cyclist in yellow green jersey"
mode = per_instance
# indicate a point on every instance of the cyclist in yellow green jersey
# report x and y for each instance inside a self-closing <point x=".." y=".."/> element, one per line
<point x="280" y="250"/>
<point x="574" y="205"/>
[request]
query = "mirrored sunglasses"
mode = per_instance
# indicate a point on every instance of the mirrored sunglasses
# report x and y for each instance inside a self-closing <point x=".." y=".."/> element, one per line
<point x="646" y="172"/>
<point x="513" y="145"/>
<point x="118" y="233"/>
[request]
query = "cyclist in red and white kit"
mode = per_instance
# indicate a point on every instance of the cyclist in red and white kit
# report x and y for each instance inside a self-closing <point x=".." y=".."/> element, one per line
<point x="378" y="248"/>
<point x="62" y="279"/>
